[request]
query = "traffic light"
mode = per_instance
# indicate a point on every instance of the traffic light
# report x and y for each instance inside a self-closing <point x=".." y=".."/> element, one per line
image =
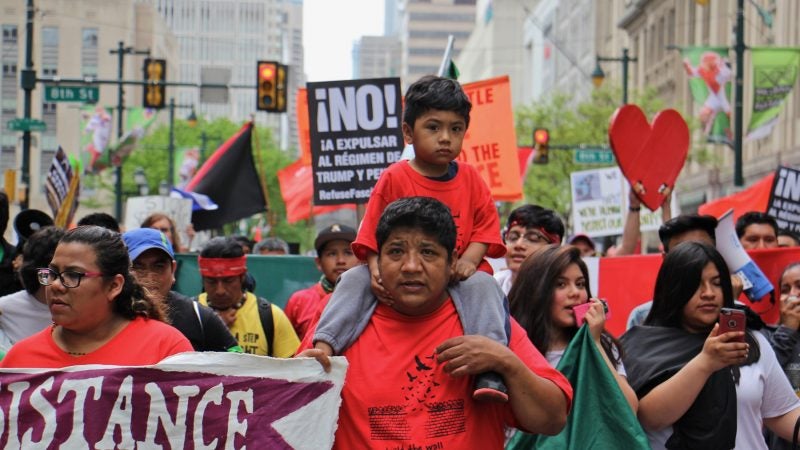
<point x="281" y="88"/>
<point x="155" y="71"/>
<point x="267" y="90"/>
<point x="541" y="145"/>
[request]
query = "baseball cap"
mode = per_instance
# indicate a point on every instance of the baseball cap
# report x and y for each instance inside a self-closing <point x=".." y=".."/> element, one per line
<point x="333" y="233"/>
<point x="583" y="237"/>
<point x="142" y="239"/>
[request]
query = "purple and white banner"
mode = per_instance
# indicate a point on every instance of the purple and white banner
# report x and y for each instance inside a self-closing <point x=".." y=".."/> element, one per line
<point x="191" y="400"/>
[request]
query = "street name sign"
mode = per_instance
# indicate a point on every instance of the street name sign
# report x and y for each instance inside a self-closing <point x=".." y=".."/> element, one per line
<point x="84" y="94"/>
<point x="26" y="124"/>
<point x="594" y="155"/>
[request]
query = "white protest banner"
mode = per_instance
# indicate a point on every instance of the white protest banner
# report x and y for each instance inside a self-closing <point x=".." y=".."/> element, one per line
<point x="192" y="400"/>
<point x="179" y="209"/>
<point x="784" y="199"/>
<point x="600" y="202"/>
<point x="597" y="201"/>
<point x="355" y="128"/>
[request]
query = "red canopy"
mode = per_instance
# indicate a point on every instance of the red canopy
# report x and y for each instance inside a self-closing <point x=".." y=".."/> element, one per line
<point x="754" y="198"/>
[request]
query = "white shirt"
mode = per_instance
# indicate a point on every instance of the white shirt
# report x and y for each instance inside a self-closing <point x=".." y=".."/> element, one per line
<point x="763" y="392"/>
<point x="21" y="315"/>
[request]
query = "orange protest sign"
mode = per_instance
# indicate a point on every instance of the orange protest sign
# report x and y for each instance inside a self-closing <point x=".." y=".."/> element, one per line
<point x="491" y="141"/>
<point x="303" y="130"/>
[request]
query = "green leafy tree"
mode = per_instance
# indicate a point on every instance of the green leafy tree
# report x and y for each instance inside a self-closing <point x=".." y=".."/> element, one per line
<point x="571" y="125"/>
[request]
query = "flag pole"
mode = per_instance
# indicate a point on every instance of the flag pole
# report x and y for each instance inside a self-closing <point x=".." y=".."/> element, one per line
<point x="448" y="52"/>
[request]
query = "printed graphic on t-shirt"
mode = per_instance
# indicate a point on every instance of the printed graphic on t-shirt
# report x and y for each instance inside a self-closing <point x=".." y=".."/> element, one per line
<point x="423" y="408"/>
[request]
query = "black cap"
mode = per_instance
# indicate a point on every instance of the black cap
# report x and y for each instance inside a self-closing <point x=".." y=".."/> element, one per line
<point x="333" y="233"/>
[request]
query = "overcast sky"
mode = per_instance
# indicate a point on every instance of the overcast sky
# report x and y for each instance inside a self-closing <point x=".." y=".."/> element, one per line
<point x="329" y="29"/>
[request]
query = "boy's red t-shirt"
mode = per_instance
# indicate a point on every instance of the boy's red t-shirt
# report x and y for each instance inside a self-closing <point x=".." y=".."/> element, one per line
<point x="466" y="195"/>
<point x="397" y="396"/>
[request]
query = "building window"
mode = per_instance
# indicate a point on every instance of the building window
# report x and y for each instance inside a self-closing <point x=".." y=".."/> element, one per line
<point x="9" y="34"/>
<point x="49" y="37"/>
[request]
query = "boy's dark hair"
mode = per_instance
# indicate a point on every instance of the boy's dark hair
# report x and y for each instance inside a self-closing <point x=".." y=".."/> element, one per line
<point x="426" y="214"/>
<point x="36" y="253"/>
<point x="685" y="223"/>
<point x="534" y="216"/>
<point x="222" y="247"/>
<point x="244" y="241"/>
<point x="432" y="92"/>
<point x="755" y="217"/>
<point x="100" y="219"/>
<point x="790" y="234"/>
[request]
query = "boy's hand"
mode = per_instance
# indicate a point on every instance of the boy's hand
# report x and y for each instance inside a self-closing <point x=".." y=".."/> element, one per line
<point x="317" y="354"/>
<point x="375" y="282"/>
<point x="464" y="269"/>
<point x="325" y="347"/>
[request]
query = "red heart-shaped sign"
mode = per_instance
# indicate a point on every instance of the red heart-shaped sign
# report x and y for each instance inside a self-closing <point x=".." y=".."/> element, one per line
<point x="650" y="157"/>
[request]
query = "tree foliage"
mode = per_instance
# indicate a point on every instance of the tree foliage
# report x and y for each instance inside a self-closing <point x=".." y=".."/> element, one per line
<point x="571" y="124"/>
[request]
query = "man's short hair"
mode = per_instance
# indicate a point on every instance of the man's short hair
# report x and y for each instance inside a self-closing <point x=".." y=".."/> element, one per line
<point x="222" y="247"/>
<point x="535" y="216"/>
<point x="755" y="217"/>
<point x="100" y="219"/>
<point x="433" y="92"/>
<point x="790" y="234"/>
<point x="271" y="244"/>
<point x="426" y="214"/>
<point x="685" y="223"/>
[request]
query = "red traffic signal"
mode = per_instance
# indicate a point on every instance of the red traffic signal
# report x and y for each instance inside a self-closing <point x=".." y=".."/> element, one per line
<point x="266" y="90"/>
<point x="541" y="136"/>
<point x="541" y="144"/>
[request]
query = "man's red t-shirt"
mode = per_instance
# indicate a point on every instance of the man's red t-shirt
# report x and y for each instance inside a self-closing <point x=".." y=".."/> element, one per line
<point x="397" y="396"/>
<point x="304" y="307"/>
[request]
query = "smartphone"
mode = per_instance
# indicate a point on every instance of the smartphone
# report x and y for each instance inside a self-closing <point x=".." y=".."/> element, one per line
<point x="580" y="311"/>
<point x="732" y="320"/>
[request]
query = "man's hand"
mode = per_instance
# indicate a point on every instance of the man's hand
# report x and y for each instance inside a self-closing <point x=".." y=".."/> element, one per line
<point x="471" y="354"/>
<point x="317" y="354"/>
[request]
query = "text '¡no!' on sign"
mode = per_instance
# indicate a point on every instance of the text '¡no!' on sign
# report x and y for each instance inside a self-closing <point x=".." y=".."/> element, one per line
<point x="351" y="108"/>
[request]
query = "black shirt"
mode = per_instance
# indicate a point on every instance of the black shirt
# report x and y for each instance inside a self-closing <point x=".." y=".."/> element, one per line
<point x="208" y="333"/>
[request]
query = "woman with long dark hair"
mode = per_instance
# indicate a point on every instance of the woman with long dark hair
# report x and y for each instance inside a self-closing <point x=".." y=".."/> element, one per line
<point x="699" y="387"/>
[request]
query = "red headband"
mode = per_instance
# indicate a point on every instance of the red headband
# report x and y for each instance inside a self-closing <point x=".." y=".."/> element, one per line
<point x="222" y="267"/>
<point x="552" y="237"/>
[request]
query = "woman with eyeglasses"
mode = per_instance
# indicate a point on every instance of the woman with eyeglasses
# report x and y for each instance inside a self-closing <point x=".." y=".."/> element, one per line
<point x="100" y="314"/>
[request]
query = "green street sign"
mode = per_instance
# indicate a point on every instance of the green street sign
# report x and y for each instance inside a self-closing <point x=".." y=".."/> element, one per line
<point x="83" y="94"/>
<point x="594" y="155"/>
<point x="26" y="124"/>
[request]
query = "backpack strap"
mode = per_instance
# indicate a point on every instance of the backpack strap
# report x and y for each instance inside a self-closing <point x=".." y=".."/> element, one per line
<point x="199" y="318"/>
<point x="267" y="322"/>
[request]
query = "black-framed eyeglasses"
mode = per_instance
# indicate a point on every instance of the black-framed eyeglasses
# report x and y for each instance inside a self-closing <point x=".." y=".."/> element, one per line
<point x="531" y="237"/>
<point x="69" y="278"/>
<point x="236" y="306"/>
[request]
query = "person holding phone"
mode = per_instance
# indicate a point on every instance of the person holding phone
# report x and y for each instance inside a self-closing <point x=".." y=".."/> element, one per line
<point x="697" y="386"/>
<point x="550" y="284"/>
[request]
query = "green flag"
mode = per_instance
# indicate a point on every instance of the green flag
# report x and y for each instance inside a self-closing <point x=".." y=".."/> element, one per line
<point x="774" y="75"/>
<point x="452" y="71"/>
<point x="601" y="417"/>
<point x="710" y="82"/>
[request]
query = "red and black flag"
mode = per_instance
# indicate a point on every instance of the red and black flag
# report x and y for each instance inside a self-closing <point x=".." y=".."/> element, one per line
<point x="231" y="180"/>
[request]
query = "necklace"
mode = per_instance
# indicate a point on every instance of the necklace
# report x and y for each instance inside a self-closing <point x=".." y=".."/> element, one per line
<point x="52" y="331"/>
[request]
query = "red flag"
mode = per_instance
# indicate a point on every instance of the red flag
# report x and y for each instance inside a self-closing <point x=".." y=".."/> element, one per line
<point x="231" y="180"/>
<point x="297" y="190"/>
<point x="754" y="198"/>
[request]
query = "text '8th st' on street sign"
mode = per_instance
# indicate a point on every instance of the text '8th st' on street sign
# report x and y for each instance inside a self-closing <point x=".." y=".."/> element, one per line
<point x="593" y="155"/>
<point x="84" y="94"/>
